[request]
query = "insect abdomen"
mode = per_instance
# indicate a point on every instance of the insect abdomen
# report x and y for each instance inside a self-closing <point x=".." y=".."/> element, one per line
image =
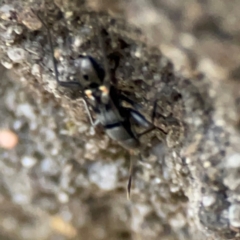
<point x="120" y="134"/>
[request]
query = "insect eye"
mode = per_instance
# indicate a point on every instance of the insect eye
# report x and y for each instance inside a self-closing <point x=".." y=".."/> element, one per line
<point x="86" y="77"/>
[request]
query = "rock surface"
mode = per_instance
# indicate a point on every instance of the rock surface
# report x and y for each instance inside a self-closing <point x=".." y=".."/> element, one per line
<point x="65" y="181"/>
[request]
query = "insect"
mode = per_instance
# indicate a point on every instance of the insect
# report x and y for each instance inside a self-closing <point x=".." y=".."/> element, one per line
<point x="106" y="101"/>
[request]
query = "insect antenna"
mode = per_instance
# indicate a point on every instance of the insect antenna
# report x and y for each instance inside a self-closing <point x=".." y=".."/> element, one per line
<point x="129" y="185"/>
<point x="134" y="157"/>
<point x="106" y="81"/>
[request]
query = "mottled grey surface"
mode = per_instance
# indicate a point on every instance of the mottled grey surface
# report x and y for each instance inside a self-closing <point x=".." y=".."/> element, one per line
<point x="65" y="181"/>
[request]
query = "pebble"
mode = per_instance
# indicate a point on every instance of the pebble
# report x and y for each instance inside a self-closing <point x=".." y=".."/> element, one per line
<point x="233" y="161"/>
<point x="234" y="215"/>
<point x="7" y="64"/>
<point x="208" y="200"/>
<point x="63" y="197"/>
<point x="5" y="11"/>
<point x="28" y="161"/>
<point x="17" y="55"/>
<point x="103" y="175"/>
<point x="27" y="111"/>
<point x="49" y="167"/>
<point x="8" y="139"/>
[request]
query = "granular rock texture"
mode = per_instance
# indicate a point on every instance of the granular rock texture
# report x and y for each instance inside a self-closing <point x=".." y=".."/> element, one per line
<point x="65" y="180"/>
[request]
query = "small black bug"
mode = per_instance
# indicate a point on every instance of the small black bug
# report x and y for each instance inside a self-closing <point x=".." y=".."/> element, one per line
<point x="106" y="101"/>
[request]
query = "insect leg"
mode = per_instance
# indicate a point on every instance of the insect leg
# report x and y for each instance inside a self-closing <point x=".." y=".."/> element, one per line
<point x="139" y="118"/>
<point x="89" y="113"/>
<point x="94" y="123"/>
<point x="151" y="129"/>
<point x="129" y="180"/>
<point x="106" y="80"/>
<point x="147" y="131"/>
<point x="135" y="105"/>
<point x="154" y="111"/>
<point x="61" y="83"/>
<point x="134" y="157"/>
<point x="144" y="122"/>
<point x="131" y="166"/>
